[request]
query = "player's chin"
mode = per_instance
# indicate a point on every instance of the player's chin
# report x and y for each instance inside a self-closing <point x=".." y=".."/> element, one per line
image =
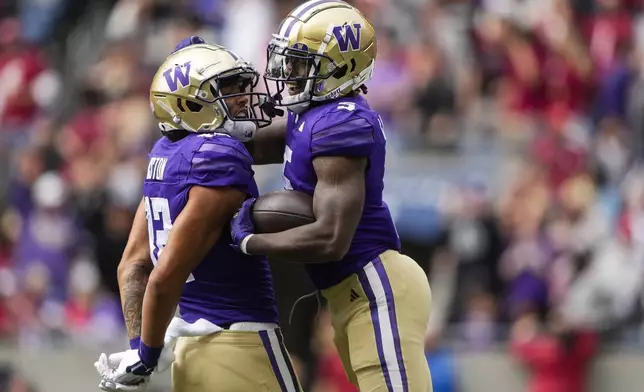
<point x="293" y="89"/>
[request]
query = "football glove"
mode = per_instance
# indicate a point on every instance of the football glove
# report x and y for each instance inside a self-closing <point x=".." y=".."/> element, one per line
<point x="106" y="365"/>
<point x="123" y="371"/>
<point x="242" y="226"/>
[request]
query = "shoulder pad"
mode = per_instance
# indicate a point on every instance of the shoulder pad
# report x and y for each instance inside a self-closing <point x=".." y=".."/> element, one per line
<point x="221" y="161"/>
<point x="341" y="131"/>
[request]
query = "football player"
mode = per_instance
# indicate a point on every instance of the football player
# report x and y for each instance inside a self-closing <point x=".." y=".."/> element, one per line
<point x="179" y="252"/>
<point x="319" y="61"/>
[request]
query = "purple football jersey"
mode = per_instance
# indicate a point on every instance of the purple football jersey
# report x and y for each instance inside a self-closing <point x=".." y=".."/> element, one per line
<point x="344" y="127"/>
<point x="227" y="286"/>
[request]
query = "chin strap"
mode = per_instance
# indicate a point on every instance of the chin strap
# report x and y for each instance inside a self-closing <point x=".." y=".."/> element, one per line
<point x="240" y="130"/>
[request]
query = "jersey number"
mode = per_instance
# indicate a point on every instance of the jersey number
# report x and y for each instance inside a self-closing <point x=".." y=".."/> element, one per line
<point x="157" y="211"/>
<point x="288" y="153"/>
<point x="348" y="106"/>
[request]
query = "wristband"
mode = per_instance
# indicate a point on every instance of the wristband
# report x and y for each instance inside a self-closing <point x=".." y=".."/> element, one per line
<point x="135" y="343"/>
<point x="149" y="355"/>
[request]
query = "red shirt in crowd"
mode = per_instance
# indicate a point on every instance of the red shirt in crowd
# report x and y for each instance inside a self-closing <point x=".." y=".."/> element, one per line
<point x="19" y="69"/>
<point x="560" y="159"/>
<point x="604" y="33"/>
<point x="553" y="367"/>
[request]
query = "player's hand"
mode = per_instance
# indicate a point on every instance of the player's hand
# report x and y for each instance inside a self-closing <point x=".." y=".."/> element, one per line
<point x="192" y="40"/>
<point x="242" y="226"/>
<point x="123" y="371"/>
<point x="165" y="360"/>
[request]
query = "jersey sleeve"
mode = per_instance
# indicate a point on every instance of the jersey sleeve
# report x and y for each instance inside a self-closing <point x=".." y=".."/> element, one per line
<point x="222" y="163"/>
<point x="342" y="136"/>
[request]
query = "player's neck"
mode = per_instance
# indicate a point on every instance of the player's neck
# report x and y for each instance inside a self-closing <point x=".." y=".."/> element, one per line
<point x="176" y="134"/>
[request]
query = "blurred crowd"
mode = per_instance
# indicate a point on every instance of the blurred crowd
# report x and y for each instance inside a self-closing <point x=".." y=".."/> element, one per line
<point x="552" y="253"/>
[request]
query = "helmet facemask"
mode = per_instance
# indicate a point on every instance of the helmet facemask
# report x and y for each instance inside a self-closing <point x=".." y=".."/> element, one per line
<point x="233" y="84"/>
<point x="297" y="74"/>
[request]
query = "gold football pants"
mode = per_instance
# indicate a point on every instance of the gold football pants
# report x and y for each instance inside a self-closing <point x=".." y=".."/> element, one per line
<point x="380" y="317"/>
<point x="234" y="361"/>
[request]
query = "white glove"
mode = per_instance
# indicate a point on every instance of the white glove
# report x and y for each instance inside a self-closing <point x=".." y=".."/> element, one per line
<point x="111" y="367"/>
<point x="122" y="371"/>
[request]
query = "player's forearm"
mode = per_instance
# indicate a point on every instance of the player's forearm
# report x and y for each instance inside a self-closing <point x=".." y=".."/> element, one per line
<point x="337" y="205"/>
<point x="183" y="253"/>
<point x="159" y="304"/>
<point x="268" y="145"/>
<point x="132" y="279"/>
<point x="320" y="245"/>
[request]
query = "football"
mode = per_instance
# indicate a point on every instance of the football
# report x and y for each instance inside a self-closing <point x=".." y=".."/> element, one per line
<point x="282" y="210"/>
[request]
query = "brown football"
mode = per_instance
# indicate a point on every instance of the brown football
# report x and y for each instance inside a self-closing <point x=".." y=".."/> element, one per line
<point x="282" y="210"/>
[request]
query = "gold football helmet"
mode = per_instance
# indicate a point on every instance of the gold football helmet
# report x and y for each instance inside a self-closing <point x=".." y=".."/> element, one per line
<point x="191" y="89"/>
<point x="324" y="49"/>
